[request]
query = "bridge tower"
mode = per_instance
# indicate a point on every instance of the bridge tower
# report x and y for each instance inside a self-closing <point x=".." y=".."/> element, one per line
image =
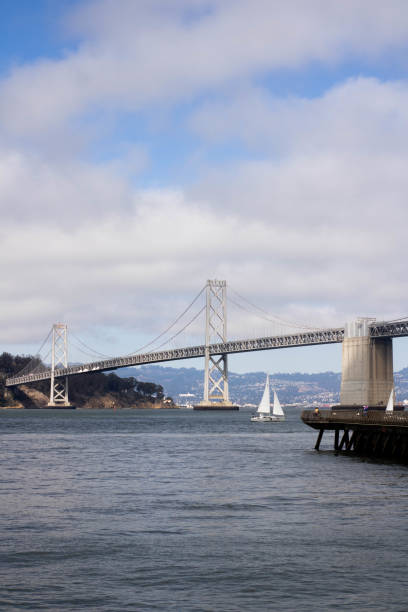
<point x="216" y="396"/>
<point x="367" y="376"/>
<point x="59" y="385"/>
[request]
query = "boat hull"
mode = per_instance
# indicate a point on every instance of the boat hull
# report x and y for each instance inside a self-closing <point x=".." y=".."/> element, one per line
<point x="215" y="406"/>
<point x="267" y="419"/>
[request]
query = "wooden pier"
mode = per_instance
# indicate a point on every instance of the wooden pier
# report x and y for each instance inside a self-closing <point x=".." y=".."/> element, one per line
<point x="374" y="433"/>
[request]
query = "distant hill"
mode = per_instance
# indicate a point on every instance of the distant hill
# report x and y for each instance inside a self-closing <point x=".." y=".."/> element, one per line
<point x="133" y="386"/>
<point x="297" y="388"/>
<point x="94" y="390"/>
<point x="244" y="388"/>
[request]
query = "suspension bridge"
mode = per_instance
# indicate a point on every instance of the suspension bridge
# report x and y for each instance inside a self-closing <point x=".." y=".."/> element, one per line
<point x="367" y="371"/>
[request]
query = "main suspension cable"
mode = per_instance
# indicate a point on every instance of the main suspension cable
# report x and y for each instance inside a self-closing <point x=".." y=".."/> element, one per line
<point x="35" y="357"/>
<point x="170" y="326"/>
<point x="87" y="353"/>
<point x="94" y="352"/>
<point x="181" y="330"/>
<point x="391" y="321"/>
<point x="268" y="317"/>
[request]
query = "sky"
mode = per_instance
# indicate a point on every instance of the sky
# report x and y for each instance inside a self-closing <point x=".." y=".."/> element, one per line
<point x="149" y="145"/>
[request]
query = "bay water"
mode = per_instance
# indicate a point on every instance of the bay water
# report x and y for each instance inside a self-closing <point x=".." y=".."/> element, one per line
<point x="194" y="511"/>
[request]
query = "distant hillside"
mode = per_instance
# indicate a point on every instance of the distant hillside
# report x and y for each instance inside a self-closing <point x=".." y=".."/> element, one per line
<point x="244" y="388"/>
<point x="298" y="388"/>
<point x="132" y="387"/>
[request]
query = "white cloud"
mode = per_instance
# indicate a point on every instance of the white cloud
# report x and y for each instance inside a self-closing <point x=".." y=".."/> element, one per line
<point x="332" y="163"/>
<point x="332" y="184"/>
<point x="310" y="226"/>
<point x="362" y="115"/>
<point x="312" y="236"/>
<point x="146" y="52"/>
<point x="138" y="270"/>
<point x="57" y="193"/>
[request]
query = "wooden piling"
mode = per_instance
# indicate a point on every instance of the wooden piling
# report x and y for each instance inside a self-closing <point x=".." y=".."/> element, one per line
<point x="376" y="433"/>
<point x="319" y="439"/>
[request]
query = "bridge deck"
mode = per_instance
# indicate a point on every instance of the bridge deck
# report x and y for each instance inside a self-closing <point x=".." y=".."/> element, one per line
<point x="374" y="434"/>
<point x="320" y="336"/>
<point x="325" y="336"/>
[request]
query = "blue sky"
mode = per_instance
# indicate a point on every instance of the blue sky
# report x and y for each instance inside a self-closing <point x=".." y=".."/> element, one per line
<point x="32" y="30"/>
<point x="146" y="146"/>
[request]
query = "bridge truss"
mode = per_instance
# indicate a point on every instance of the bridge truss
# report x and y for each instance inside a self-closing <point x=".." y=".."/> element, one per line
<point x="324" y="336"/>
<point x="212" y="352"/>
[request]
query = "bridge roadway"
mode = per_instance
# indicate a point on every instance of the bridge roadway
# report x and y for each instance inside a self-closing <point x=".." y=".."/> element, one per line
<point x="320" y="336"/>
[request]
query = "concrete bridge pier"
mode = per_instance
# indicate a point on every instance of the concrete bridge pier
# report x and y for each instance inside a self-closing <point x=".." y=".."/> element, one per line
<point x="367" y="368"/>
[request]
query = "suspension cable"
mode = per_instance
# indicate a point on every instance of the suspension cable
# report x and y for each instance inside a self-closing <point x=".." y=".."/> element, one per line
<point x="270" y="318"/>
<point x="391" y="321"/>
<point x="87" y="353"/>
<point x="36" y="356"/>
<point x="98" y="353"/>
<point x="170" y="326"/>
<point x="181" y="330"/>
<point x="41" y="367"/>
<point x="93" y="351"/>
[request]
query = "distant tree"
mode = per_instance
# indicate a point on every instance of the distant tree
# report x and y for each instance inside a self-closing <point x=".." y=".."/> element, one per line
<point x="7" y="363"/>
<point x="150" y="389"/>
<point x="81" y="386"/>
<point x="2" y="389"/>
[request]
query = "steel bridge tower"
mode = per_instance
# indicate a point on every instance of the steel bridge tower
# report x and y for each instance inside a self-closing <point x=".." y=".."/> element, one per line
<point x="216" y="396"/>
<point x="59" y="385"/>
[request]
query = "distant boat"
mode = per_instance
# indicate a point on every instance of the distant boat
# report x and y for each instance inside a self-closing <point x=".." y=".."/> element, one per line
<point x="185" y="400"/>
<point x="263" y="414"/>
<point x="390" y="404"/>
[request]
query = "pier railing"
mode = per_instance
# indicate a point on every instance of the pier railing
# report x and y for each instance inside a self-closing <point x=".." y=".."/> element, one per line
<point x="353" y="417"/>
<point x="373" y="433"/>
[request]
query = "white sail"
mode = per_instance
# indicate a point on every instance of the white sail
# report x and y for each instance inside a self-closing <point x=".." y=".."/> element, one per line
<point x="265" y="403"/>
<point x="390" y="405"/>
<point x="277" y="408"/>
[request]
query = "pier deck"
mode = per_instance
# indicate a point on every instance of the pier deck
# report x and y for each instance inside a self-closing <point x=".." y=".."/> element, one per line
<point x="375" y="433"/>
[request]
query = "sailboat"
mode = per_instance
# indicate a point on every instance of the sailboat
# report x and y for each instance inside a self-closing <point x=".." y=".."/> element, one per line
<point x="390" y="404"/>
<point x="263" y="414"/>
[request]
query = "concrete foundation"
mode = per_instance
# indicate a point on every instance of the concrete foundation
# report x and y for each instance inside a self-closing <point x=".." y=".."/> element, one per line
<point x="367" y="370"/>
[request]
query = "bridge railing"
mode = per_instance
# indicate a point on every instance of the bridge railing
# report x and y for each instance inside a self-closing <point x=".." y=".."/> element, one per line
<point x="391" y="329"/>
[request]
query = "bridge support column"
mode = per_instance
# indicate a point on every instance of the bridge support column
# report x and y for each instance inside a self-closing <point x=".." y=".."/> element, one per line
<point x="367" y="368"/>
<point x="59" y="385"/>
<point x="216" y="395"/>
